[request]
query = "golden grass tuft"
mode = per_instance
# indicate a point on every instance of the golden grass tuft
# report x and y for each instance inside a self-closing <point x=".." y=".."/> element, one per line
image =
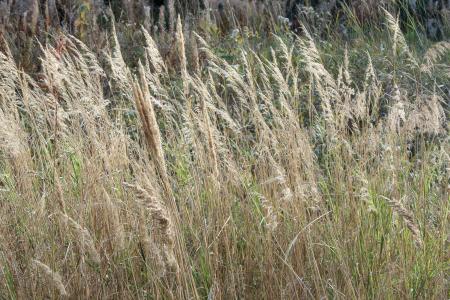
<point x="251" y="169"/>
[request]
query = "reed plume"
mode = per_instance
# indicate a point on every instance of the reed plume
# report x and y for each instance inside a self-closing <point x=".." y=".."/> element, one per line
<point x="407" y="217"/>
<point x="150" y="128"/>
<point x="85" y="240"/>
<point x="163" y="222"/>
<point x="181" y="49"/>
<point x="52" y="277"/>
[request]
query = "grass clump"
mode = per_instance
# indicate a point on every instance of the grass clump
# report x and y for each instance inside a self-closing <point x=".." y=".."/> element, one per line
<point x="293" y="167"/>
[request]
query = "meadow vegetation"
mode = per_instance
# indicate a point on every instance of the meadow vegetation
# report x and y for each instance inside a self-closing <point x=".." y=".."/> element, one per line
<point x="255" y="163"/>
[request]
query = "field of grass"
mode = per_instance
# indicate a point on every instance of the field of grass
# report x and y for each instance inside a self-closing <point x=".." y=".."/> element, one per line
<point x="249" y="165"/>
